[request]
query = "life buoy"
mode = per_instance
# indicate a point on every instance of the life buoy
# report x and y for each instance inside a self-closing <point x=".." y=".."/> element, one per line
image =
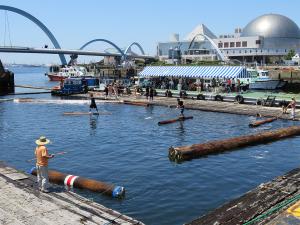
<point x="218" y="98"/>
<point x="200" y="97"/>
<point x="239" y="99"/>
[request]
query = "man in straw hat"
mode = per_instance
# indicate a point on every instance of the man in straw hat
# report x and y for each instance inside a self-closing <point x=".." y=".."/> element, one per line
<point x="42" y="156"/>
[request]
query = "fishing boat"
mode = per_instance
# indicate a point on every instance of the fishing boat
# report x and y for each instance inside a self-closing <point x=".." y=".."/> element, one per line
<point x="260" y="80"/>
<point x="57" y="73"/>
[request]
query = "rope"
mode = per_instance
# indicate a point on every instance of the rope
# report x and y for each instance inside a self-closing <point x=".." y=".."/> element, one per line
<point x="274" y="209"/>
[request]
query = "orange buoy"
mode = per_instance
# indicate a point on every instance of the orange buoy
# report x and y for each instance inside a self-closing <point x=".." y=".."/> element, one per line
<point x="83" y="183"/>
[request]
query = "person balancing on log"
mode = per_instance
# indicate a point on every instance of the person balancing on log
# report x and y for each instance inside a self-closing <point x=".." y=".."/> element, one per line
<point x="93" y="103"/>
<point x="180" y="106"/>
<point x="42" y="156"/>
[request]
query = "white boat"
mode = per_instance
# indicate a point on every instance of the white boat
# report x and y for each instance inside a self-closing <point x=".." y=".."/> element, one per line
<point x="260" y="80"/>
<point x="57" y="73"/>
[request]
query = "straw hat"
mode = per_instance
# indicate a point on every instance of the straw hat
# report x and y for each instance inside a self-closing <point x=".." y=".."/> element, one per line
<point x="42" y="141"/>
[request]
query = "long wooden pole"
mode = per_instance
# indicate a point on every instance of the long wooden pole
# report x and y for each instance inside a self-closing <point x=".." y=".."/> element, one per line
<point x="212" y="147"/>
<point x="83" y="183"/>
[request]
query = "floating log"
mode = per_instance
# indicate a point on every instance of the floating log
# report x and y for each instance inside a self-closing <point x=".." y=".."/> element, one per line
<point x="175" y="120"/>
<point x="136" y="103"/>
<point x="260" y="122"/>
<point x="24" y="100"/>
<point x="79" y="113"/>
<point x="83" y="183"/>
<point x="212" y="147"/>
<point x="33" y="87"/>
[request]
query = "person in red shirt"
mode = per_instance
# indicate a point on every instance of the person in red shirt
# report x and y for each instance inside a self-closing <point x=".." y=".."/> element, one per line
<point x="42" y="156"/>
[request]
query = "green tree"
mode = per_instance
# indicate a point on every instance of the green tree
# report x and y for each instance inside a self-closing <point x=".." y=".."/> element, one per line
<point x="290" y="54"/>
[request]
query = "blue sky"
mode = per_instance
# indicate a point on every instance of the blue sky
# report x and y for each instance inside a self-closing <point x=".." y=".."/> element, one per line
<point x="73" y="23"/>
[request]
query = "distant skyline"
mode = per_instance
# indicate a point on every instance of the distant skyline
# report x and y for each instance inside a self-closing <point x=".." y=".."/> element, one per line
<point x="74" y="23"/>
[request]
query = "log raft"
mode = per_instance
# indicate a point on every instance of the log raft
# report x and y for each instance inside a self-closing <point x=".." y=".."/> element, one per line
<point x="260" y="122"/>
<point x="197" y="150"/>
<point x="83" y="183"/>
<point x="175" y="120"/>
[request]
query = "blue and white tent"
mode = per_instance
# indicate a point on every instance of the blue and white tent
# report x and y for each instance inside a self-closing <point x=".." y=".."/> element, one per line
<point x="206" y="72"/>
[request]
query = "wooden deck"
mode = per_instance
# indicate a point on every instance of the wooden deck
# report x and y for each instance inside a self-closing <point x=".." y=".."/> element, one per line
<point x="21" y="203"/>
<point x="266" y="204"/>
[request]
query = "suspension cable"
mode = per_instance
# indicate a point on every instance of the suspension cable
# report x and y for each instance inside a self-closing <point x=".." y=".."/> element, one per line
<point x="8" y="28"/>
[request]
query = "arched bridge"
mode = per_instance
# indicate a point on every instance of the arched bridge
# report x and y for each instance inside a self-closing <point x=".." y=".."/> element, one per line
<point x="40" y="24"/>
<point x="61" y="52"/>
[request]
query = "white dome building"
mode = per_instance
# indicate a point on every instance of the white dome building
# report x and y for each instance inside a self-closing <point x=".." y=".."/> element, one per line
<point x="266" y="39"/>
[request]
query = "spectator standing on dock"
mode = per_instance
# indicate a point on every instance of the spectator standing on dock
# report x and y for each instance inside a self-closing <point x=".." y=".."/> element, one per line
<point x="106" y="91"/>
<point x="42" y="156"/>
<point x="147" y="92"/>
<point x="180" y="106"/>
<point x="151" y="93"/>
<point x="116" y="92"/>
<point x="292" y="104"/>
<point x="93" y="103"/>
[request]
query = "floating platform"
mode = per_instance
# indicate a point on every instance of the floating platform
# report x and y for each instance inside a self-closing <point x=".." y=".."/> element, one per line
<point x="175" y="120"/>
<point x="272" y="203"/>
<point x="21" y="203"/>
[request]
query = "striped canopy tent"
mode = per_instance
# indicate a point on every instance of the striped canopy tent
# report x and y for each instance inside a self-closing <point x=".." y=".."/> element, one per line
<point x="227" y="72"/>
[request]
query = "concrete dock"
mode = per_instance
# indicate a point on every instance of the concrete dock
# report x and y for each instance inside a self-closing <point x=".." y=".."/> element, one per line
<point x="250" y="109"/>
<point x="273" y="203"/>
<point x="22" y="203"/>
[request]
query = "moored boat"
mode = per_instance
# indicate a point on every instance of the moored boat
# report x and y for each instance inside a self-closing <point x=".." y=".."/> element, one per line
<point x="260" y="80"/>
<point x="57" y="73"/>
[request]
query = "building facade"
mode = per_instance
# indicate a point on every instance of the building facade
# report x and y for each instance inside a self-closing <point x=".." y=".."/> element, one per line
<point x="265" y="39"/>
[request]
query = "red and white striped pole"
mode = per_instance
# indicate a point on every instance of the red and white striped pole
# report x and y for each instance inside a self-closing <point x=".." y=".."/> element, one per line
<point x="83" y="183"/>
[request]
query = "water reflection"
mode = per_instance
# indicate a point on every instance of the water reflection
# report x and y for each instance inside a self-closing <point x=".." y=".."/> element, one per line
<point x="93" y="124"/>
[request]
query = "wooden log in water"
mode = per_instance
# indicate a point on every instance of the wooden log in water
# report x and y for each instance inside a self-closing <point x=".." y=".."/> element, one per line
<point x="24" y="100"/>
<point x="260" y="122"/>
<point x="78" y="113"/>
<point x="136" y="103"/>
<point x="197" y="150"/>
<point x="175" y="120"/>
<point x="83" y="183"/>
<point x="85" y="113"/>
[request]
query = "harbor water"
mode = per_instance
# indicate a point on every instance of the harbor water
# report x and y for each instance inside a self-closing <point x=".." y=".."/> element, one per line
<point x="129" y="149"/>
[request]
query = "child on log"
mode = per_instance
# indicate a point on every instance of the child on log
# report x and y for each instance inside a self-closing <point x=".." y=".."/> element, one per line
<point x="180" y="106"/>
<point x="292" y="104"/>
